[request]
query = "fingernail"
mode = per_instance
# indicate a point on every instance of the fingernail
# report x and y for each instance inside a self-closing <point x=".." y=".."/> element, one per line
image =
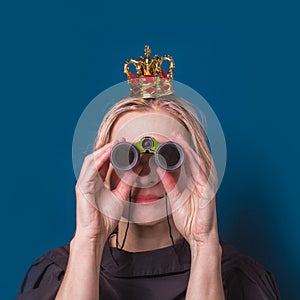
<point x="114" y="143"/>
<point x="160" y="172"/>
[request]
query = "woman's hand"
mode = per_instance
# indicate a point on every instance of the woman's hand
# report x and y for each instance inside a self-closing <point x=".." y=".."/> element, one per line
<point x="99" y="209"/>
<point x="97" y="214"/>
<point x="194" y="208"/>
<point x="194" y="215"/>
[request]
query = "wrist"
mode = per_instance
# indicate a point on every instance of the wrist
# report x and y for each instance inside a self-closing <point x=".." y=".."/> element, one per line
<point x="85" y="242"/>
<point x="87" y="253"/>
<point x="209" y="250"/>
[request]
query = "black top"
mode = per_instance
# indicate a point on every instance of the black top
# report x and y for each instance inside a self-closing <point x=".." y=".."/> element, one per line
<point x="160" y="274"/>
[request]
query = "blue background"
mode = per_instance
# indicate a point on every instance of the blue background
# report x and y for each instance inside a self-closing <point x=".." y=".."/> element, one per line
<point x="242" y="57"/>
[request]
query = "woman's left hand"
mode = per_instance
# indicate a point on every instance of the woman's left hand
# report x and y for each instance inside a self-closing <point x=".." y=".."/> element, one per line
<point x="194" y="208"/>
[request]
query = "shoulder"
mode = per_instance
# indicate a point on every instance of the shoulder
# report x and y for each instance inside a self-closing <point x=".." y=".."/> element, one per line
<point x="58" y="256"/>
<point x="246" y="278"/>
<point x="45" y="275"/>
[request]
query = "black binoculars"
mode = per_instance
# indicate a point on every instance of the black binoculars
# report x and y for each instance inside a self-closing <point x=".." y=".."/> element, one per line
<point x="125" y="156"/>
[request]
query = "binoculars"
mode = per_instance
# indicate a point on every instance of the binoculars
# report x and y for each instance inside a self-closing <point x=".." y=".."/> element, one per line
<point x="125" y="156"/>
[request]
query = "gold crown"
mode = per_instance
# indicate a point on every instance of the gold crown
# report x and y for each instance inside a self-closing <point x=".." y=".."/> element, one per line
<point x="150" y="80"/>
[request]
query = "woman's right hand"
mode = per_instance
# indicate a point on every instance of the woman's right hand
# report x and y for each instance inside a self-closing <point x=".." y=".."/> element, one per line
<point x="99" y="209"/>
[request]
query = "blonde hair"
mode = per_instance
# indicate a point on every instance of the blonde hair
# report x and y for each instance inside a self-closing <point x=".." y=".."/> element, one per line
<point x="182" y="110"/>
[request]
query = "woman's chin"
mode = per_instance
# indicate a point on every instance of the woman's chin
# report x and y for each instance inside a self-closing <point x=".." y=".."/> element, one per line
<point x="147" y="214"/>
<point x="142" y="222"/>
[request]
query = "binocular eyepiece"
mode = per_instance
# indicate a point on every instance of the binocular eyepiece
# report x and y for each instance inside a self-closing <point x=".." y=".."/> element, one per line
<point x="125" y="156"/>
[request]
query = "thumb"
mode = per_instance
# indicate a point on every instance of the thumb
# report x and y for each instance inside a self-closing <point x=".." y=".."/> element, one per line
<point x="124" y="186"/>
<point x="170" y="186"/>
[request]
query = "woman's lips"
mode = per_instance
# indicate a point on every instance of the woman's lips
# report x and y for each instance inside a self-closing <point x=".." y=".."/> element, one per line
<point x="146" y="198"/>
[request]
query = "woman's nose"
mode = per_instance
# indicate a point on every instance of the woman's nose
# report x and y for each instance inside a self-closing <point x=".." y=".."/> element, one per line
<point x="147" y="164"/>
<point x="147" y="176"/>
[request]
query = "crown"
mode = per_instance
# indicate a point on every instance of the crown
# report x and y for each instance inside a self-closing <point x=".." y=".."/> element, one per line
<point x="150" y="80"/>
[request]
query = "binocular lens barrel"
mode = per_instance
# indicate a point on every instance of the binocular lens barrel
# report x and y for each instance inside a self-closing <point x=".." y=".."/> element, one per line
<point x="169" y="156"/>
<point x="124" y="156"/>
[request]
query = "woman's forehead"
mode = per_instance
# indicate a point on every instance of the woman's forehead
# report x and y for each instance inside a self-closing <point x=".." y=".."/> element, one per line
<point x="135" y="125"/>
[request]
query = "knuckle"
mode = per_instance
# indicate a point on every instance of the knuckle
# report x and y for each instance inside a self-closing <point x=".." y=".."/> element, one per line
<point x="78" y="190"/>
<point x="87" y="159"/>
<point x="119" y="194"/>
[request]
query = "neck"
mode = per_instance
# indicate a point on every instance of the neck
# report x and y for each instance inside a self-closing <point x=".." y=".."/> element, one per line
<point x="146" y="237"/>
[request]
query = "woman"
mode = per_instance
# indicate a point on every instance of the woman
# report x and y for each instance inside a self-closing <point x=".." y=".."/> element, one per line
<point x="147" y="232"/>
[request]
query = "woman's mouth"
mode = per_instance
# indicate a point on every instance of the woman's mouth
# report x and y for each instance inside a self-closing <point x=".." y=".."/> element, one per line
<point x="146" y="198"/>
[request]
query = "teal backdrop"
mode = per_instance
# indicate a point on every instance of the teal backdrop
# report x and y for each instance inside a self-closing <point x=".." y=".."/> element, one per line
<point x="242" y="57"/>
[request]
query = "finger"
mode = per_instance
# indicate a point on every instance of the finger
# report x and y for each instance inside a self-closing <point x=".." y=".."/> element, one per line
<point x="170" y="186"/>
<point x="200" y="183"/>
<point x="205" y="185"/>
<point x="125" y="184"/>
<point x="94" y="161"/>
<point x="103" y="170"/>
<point x="108" y="147"/>
<point x="193" y="160"/>
<point x="91" y="167"/>
<point x="191" y="154"/>
<point x="200" y="161"/>
<point x="90" y="158"/>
